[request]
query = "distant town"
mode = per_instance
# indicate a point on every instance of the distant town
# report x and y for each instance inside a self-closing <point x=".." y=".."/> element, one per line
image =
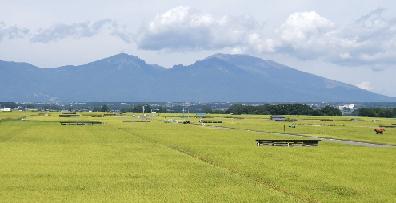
<point x="347" y="109"/>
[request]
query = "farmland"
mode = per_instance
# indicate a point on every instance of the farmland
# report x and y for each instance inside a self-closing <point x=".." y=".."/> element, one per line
<point x="120" y="161"/>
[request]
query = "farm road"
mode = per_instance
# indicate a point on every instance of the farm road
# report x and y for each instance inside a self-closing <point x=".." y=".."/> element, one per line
<point x="329" y="139"/>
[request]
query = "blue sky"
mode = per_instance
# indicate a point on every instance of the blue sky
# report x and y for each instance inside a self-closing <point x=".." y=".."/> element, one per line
<point x="351" y="41"/>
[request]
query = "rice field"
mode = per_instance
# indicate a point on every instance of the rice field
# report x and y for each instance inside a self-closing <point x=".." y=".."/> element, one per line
<point x="127" y="161"/>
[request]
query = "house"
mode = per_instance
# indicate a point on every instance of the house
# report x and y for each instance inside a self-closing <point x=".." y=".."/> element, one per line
<point x="278" y="118"/>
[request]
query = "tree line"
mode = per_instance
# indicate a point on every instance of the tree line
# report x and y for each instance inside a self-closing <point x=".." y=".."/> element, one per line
<point x="377" y="112"/>
<point x="8" y="105"/>
<point x="283" y="109"/>
<point x="266" y="109"/>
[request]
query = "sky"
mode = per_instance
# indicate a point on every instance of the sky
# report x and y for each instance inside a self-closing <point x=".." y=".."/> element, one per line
<point x="350" y="41"/>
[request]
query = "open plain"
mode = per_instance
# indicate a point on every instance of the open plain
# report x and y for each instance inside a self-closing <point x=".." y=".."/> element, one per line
<point x="121" y="159"/>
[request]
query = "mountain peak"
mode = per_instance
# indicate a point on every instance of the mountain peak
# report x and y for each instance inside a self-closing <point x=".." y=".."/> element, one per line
<point x="122" y="59"/>
<point x="223" y="56"/>
<point x="123" y="56"/>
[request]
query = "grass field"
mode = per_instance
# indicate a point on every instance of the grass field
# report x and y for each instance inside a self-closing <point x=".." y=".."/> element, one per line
<point x="43" y="161"/>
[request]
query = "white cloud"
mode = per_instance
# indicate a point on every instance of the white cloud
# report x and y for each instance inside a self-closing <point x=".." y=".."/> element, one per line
<point x="305" y="25"/>
<point x="183" y="28"/>
<point x="365" y="85"/>
<point x="12" y="32"/>
<point x="370" y="40"/>
<point x="306" y="35"/>
<point x="80" y="30"/>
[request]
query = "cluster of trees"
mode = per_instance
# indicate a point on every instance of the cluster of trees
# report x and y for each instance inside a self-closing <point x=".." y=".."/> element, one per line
<point x="284" y="109"/>
<point x="8" y="105"/>
<point x="103" y="108"/>
<point x="377" y="112"/>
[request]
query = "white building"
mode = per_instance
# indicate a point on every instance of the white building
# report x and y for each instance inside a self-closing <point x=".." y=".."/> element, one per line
<point x="346" y="107"/>
<point x="5" y="109"/>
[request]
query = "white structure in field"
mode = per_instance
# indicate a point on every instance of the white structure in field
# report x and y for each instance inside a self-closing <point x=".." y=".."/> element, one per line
<point x="278" y="118"/>
<point x="5" y="109"/>
<point x="346" y="106"/>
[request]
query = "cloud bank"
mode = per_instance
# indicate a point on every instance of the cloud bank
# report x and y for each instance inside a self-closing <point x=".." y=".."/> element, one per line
<point x="80" y="30"/>
<point x="370" y="40"/>
<point x="12" y="32"/>
<point x="61" y="31"/>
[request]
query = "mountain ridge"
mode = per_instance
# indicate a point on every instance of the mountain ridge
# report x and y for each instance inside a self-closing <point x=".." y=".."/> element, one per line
<point x="219" y="77"/>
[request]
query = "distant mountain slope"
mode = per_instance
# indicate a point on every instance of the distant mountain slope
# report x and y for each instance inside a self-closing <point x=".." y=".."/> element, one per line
<point x="220" y="77"/>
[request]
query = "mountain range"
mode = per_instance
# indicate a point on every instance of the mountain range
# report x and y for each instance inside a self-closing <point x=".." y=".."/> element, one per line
<point x="220" y="77"/>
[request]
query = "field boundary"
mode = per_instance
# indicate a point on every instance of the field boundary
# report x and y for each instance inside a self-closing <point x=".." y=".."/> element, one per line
<point x="329" y="139"/>
<point x="256" y="180"/>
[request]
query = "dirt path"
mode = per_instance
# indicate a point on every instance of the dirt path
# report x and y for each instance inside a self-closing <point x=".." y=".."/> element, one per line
<point x="328" y="139"/>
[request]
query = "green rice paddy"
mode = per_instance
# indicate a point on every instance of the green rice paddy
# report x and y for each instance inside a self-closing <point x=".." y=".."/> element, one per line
<point x="43" y="161"/>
